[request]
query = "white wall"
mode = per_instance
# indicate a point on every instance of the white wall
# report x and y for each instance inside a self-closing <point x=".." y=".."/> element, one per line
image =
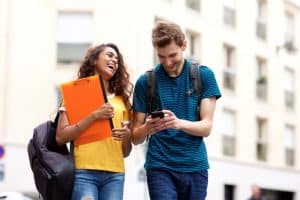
<point x="243" y="175"/>
<point x="18" y="175"/>
<point x="29" y="73"/>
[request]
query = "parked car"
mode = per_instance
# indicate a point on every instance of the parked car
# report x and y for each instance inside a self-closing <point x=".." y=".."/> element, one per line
<point x="13" y="196"/>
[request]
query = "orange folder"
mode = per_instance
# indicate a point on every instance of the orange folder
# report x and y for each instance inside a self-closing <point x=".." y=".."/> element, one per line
<point x="81" y="97"/>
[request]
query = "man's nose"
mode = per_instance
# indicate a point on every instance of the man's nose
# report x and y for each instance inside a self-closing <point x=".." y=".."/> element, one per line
<point x="168" y="62"/>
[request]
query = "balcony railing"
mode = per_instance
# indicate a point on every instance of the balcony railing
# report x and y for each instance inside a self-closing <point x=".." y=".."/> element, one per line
<point x="229" y="16"/>
<point x="289" y="157"/>
<point x="229" y="78"/>
<point x="261" y="89"/>
<point x="193" y="4"/>
<point x="289" y="99"/>
<point x="228" y="145"/>
<point x="261" y="29"/>
<point x="289" y="42"/>
<point x="261" y="151"/>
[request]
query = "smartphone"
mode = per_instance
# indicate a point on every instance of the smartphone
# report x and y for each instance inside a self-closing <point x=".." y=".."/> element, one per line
<point x="159" y="114"/>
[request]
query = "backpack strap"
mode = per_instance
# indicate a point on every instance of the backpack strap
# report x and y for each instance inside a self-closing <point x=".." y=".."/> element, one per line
<point x="196" y="77"/>
<point x="196" y="81"/>
<point x="150" y="76"/>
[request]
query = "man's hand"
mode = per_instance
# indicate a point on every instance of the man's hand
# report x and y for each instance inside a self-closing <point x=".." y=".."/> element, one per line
<point x="152" y="125"/>
<point x="169" y="121"/>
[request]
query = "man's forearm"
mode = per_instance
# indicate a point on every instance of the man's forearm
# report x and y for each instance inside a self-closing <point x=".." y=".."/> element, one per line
<point x="139" y="134"/>
<point x="200" y="128"/>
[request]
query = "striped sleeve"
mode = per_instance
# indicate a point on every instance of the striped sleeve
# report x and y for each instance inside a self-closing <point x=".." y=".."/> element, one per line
<point x="210" y="86"/>
<point x="139" y="95"/>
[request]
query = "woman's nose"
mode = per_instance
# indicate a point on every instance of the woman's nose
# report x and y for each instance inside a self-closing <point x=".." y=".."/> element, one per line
<point x="115" y="60"/>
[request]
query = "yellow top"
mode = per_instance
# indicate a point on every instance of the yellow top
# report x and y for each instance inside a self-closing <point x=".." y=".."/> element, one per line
<point x="104" y="154"/>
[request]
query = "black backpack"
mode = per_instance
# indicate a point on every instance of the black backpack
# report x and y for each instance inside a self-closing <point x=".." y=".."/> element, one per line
<point x="194" y="75"/>
<point x="52" y="165"/>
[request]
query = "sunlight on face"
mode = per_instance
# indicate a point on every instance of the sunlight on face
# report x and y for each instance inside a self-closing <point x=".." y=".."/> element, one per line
<point x="107" y="63"/>
<point x="171" y="57"/>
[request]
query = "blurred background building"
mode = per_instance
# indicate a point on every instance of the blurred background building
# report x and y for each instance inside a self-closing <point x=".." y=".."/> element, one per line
<point x="252" y="46"/>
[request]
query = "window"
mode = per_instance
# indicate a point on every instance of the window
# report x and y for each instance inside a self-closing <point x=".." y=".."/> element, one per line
<point x="261" y="21"/>
<point x="74" y="36"/>
<point x="193" y="45"/>
<point x="261" y="79"/>
<point x="289" y="144"/>
<point x="229" y="71"/>
<point x="261" y="143"/>
<point x="289" y="33"/>
<point x="1" y="172"/>
<point x="289" y="96"/>
<point x="228" y="128"/>
<point x="229" y="191"/>
<point x="229" y="12"/>
<point x="193" y="4"/>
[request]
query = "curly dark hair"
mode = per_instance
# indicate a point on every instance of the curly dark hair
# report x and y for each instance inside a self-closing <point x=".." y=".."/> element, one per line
<point x="119" y="84"/>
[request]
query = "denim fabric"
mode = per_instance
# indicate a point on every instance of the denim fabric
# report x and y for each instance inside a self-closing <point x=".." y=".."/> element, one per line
<point x="170" y="185"/>
<point x="98" y="185"/>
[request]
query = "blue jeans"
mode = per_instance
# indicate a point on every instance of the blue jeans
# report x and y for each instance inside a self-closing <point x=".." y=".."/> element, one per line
<point x="98" y="185"/>
<point x="171" y="185"/>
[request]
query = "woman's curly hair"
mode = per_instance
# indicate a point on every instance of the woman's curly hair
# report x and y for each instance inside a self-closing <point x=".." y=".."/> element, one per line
<point x="119" y="84"/>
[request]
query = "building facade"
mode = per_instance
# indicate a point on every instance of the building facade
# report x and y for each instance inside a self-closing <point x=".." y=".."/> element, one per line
<point x="252" y="46"/>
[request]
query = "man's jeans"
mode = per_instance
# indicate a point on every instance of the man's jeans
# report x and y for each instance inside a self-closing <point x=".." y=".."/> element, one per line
<point x="171" y="185"/>
<point x="96" y="185"/>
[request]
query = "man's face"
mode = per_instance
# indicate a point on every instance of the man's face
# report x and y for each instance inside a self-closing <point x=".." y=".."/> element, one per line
<point x="171" y="57"/>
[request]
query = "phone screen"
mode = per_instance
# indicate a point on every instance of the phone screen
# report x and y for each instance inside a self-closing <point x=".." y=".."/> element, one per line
<point x="159" y="114"/>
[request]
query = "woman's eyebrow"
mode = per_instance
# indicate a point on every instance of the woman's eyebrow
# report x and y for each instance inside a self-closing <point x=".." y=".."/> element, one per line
<point x="111" y="52"/>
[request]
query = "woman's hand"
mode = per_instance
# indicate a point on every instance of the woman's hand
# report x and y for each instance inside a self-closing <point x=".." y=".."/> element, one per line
<point x="121" y="133"/>
<point x="105" y="111"/>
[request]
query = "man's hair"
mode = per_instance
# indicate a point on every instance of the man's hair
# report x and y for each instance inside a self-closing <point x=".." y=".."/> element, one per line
<point x="164" y="32"/>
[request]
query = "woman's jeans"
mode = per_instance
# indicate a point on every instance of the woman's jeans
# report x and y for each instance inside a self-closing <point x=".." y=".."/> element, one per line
<point x="98" y="185"/>
<point x="172" y="185"/>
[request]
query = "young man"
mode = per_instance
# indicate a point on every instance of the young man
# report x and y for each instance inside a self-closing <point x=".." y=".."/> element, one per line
<point x="176" y="160"/>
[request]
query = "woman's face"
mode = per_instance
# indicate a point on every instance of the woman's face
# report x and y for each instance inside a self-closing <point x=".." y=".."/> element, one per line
<point x="107" y="63"/>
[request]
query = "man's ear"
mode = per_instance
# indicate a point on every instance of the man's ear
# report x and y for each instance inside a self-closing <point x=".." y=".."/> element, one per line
<point x="183" y="47"/>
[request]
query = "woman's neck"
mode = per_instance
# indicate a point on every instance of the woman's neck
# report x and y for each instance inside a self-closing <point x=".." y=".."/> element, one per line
<point x="106" y="86"/>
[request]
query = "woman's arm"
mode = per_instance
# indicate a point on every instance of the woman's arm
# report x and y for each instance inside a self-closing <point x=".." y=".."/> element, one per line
<point x="66" y="132"/>
<point x="123" y="134"/>
<point x="126" y="144"/>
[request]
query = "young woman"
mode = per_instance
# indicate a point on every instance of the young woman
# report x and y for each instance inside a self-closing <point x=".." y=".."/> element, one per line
<point x="100" y="164"/>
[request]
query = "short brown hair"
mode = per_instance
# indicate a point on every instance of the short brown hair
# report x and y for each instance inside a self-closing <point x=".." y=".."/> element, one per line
<point x="164" y="32"/>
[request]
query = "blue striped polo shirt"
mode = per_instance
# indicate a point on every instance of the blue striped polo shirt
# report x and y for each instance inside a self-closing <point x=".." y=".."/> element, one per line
<point x="174" y="149"/>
